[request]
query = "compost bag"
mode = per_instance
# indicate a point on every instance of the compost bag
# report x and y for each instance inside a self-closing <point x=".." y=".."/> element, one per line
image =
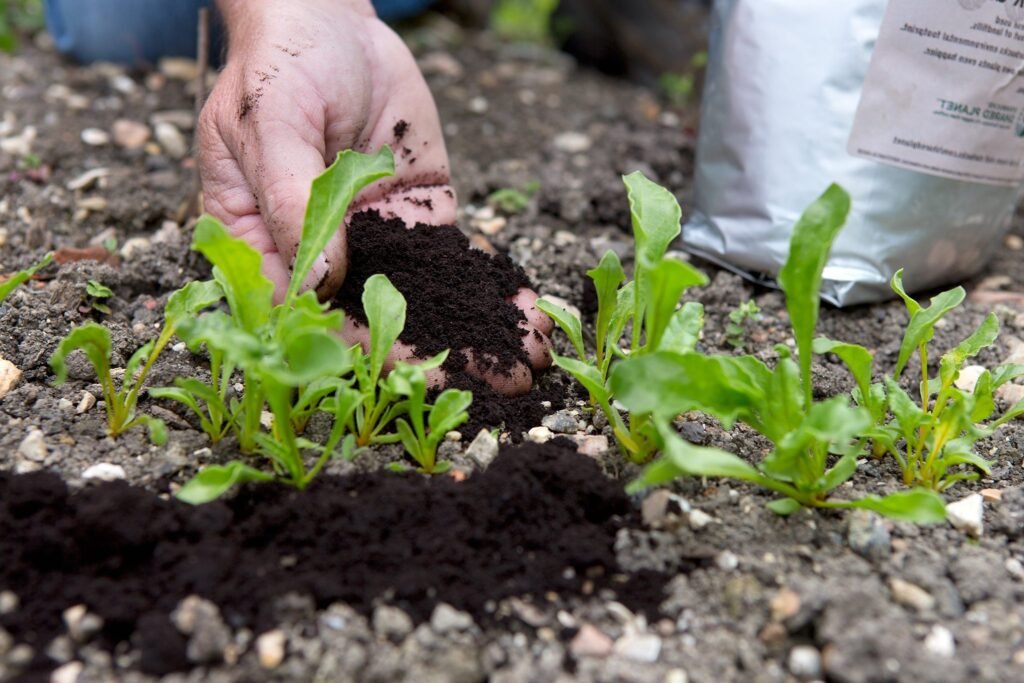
<point x="916" y="108"/>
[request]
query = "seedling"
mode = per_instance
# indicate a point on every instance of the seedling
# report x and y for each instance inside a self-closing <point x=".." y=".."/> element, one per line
<point x="524" y="20"/>
<point x="740" y="319"/>
<point x="94" y="341"/>
<point x="933" y="436"/>
<point x="22" y="276"/>
<point x="649" y="302"/>
<point x="425" y="429"/>
<point x="816" y="444"/>
<point x="97" y="294"/>
<point x="511" y="200"/>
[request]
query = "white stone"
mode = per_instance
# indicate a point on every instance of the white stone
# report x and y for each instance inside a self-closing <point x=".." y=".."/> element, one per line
<point x="87" y="179"/>
<point x="540" y="435"/>
<point x="940" y="642"/>
<point x="171" y="139"/>
<point x="67" y="673"/>
<point x="727" y="561"/>
<point x="911" y="595"/>
<point x="19" y="145"/>
<point x="64" y="404"/>
<point x="182" y="119"/>
<point x="478" y="105"/>
<point x="87" y="402"/>
<point x="181" y="68"/>
<point x="590" y="642"/>
<point x="104" y="471"/>
<point x="968" y="377"/>
<point x="805" y="662"/>
<point x="968" y="514"/>
<point x="483" y="449"/>
<point x="593" y="445"/>
<point x="270" y="649"/>
<point x="130" y="134"/>
<point x="699" y="519"/>
<point x="446" y="618"/>
<point x="95" y="137"/>
<point x="8" y="602"/>
<point x="572" y="142"/>
<point x="676" y="676"/>
<point x="10" y="375"/>
<point x="135" y="245"/>
<point x="638" y="647"/>
<point x="33" y="446"/>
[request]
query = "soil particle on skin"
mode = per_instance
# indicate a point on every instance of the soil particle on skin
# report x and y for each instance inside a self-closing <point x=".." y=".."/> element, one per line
<point x="250" y="101"/>
<point x="457" y="297"/>
<point x="541" y="519"/>
<point x="400" y="129"/>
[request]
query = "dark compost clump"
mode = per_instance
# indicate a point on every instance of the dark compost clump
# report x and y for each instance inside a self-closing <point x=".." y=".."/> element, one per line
<point x="131" y="556"/>
<point x="457" y="297"/>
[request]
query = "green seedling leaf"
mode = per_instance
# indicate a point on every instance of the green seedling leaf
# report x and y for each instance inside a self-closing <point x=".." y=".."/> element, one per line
<point x="157" y="429"/>
<point x="668" y="280"/>
<point x="921" y="327"/>
<point x="215" y="480"/>
<point x="801" y="275"/>
<point x="586" y="374"/>
<point x="22" y="276"/>
<point x="908" y="414"/>
<point x="1006" y="373"/>
<point x="980" y="339"/>
<point x="668" y="384"/>
<point x="656" y="217"/>
<point x="607" y="277"/>
<point x="449" y="411"/>
<point x="237" y="271"/>
<point x="857" y="359"/>
<point x="190" y="300"/>
<point x="385" y="312"/>
<point x="920" y="506"/>
<point x="784" y="507"/>
<point x="984" y="398"/>
<point x="568" y="323"/>
<point x="683" y="331"/>
<point x="94" y="341"/>
<point x="314" y="355"/>
<point x="331" y="194"/>
<point x="98" y="290"/>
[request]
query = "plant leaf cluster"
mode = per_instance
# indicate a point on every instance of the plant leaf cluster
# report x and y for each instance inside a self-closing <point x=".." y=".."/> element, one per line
<point x="649" y="303"/>
<point x="23" y="276"/>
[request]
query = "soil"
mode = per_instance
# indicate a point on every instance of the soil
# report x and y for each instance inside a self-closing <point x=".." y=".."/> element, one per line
<point x="133" y="556"/>
<point x="482" y="319"/>
<point x="750" y="596"/>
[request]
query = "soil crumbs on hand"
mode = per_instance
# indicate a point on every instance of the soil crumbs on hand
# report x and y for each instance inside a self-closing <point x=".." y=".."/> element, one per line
<point x="457" y="297"/>
<point x="540" y="519"/>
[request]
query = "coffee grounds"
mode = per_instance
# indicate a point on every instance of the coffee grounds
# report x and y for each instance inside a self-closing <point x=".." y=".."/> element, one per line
<point x="456" y="296"/>
<point x="131" y="556"/>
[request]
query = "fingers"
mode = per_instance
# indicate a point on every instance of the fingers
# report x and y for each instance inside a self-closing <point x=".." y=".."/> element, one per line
<point x="354" y="333"/>
<point x="526" y="299"/>
<point x="515" y="382"/>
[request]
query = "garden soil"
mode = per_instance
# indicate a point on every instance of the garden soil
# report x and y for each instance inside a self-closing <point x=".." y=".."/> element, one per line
<point x="741" y="594"/>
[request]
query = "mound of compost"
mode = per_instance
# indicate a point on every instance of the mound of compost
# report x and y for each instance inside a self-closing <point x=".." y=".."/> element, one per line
<point x="131" y="556"/>
<point x="457" y="297"/>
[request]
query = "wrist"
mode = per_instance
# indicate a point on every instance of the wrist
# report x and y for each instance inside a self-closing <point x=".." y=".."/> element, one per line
<point x="245" y="19"/>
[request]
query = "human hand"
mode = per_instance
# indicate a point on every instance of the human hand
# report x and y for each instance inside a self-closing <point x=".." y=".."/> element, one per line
<point x="303" y="81"/>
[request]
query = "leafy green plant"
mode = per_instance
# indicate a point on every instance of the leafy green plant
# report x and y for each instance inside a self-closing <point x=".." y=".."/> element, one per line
<point x="22" y="276"/>
<point x="523" y="20"/>
<point x="649" y="301"/>
<point x="97" y="294"/>
<point x="427" y="424"/>
<point x="739" y="320"/>
<point x="511" y="200"/>
<point x="94" y="341"/>
<point x="932" y="436"/>
<point x="17" y="17"/>
<point x="678" y="86"/>
<point x="816" y="444"/>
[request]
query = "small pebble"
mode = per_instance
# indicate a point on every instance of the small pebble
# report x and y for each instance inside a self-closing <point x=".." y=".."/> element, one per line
<point x="593" y="445"/>
<point x="1014" y="242"/>
<point x="81" y="624"/>
<point x="699" y="519"/>
<point x="676" y="676"/>
<point x="180" y="68"/>
<point x="968" y="378"/>
<point x="391" y="623"/>
<point x="561" y="422"/>
<point x="940" y="642"/>
<point x="727" y="561"/>
<point x="182" y="119"/>
<point x="8" y="602"/>
<point x="446" y="618"/>
<point x="805" y="662"/>
<point x="33" y="446"/>
<point x="911" y="595"/>
<point x="968" y="514"/>
<point x="478" y="105"/>
<point x="785" y="604"/>
<point x="662" y="506"/>
<point x="87" y="402"/>
<point x="10" y="375"/>
<point x="572" y="142"/>
<point x="64" y="404"/>
<point x="483" y="449"/>
<point x="104" y="471"/>
<point x="95" y="137"/>
<point x="991" y="495"/>
<point x="171" y="139"/>
<point x="540" y="435"/>
<point x="67" y="673"/>
<point x="590" y="642"/>
<point x="867" y="535"/>
<point x="130" y="134"/>
<point x="87" y="179"/>
<point x="638" y="647"/>
<point x="270" y="649"/>
<point x="454" y="436"/>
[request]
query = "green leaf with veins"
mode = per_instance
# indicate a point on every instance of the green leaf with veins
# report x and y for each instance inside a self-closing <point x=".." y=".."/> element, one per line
<point x="384" y="306"/>
<point x="214" y="481"/>
<point x="801" y="275"/>
<point x="331" y="194"/>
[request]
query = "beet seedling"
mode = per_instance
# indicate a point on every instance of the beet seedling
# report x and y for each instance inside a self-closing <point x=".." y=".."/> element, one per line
<point x="22" y="276"/>
<point x="739" y="320"/>
<point x="649" y="302"/>
<point x="815" y="443"/>
<point x="97" y="294"/>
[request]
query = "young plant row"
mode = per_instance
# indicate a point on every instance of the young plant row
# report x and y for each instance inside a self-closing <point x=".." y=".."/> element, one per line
<point x="658" y="374"/>
<point x="290" y="357"/>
